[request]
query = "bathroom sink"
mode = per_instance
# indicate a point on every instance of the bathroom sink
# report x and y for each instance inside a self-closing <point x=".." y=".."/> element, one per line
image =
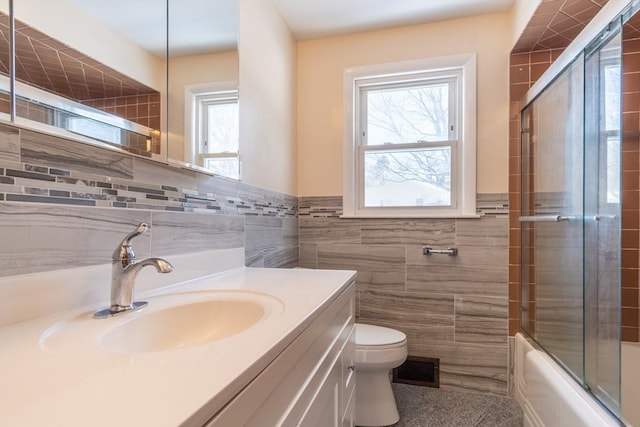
<point x="183" y="326"/>
<point x="170" y="322"/>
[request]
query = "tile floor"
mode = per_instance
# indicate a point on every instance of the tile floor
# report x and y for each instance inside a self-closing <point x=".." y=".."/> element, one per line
<point x="435" y="407"/>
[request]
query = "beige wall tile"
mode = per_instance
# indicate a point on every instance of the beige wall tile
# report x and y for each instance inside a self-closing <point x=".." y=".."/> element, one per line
<point x="481" y="319"/>
<point x="37" y="237"/>
<point x="420" y="316"/>
<point x="467" y="366"/>
<point x="379" y="266"/>
<point x="435" y="232"/>
<point x="9" y="144"/>
<point x="329" y="230"/>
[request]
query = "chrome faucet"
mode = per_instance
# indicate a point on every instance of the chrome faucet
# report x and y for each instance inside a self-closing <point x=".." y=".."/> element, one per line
<point x="124" y="269"/>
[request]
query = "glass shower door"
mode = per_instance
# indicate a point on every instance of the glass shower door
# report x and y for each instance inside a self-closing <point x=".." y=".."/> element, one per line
<point x="571" y="218"/>
<point x="552" y="212"/>
<point x="602" y="224"/>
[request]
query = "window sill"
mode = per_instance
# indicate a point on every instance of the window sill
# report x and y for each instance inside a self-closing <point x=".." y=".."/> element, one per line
<point x="409" y="216"/>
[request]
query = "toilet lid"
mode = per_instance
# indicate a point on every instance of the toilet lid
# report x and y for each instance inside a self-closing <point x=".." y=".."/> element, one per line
<point x="370" y="335"/>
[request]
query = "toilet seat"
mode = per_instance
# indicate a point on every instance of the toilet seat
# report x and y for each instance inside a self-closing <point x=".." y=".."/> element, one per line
<point x="371" y="337"/>
<point x="381" y="347"/>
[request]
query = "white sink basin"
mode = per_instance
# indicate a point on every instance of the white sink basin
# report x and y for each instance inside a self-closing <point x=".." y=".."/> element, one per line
<point x="169" y="322"/>
<point x="183" y="326"/>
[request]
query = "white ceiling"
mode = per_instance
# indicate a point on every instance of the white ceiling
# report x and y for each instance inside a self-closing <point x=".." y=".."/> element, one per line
<point x="310" y="19"/>
<point x="198" y="26"/>
<point x="195" y="26"/>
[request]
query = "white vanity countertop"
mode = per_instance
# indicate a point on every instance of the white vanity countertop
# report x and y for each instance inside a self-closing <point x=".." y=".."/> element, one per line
<point x="86" y="385"/>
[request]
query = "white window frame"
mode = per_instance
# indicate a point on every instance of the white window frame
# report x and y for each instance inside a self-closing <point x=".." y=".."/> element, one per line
<point x="197" y="97"/>
<point x="463" y="172"/>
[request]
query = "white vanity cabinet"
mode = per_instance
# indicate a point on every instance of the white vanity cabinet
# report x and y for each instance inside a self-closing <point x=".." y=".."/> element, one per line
<point x="311" y="383"/>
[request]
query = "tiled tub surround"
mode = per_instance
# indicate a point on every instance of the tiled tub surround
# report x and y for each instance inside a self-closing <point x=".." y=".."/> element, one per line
<point x="64" y="202"/>
<point x="550" y="30"/>
<point x="525" y="68"/>
<point x="630" y="296"/>
<point x="453" y="308"/>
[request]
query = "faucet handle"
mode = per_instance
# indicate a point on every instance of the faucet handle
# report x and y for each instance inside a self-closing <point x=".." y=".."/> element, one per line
<point x="124" y="250"/>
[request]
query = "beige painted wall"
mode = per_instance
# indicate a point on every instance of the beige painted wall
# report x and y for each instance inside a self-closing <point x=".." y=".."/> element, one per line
<point x="320" y="93"/>
<point x="267" y="98"/>
<point x="193" y="70"/>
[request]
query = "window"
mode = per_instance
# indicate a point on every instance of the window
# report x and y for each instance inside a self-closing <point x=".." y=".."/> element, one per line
<point x="211" y="131"/>
<point x="611" y="105"/>
<point x="217" y="133"/>
<point x="410" y="139"/>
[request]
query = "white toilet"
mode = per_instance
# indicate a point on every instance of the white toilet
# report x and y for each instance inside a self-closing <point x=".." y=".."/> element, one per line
<point x="378" y="350"/>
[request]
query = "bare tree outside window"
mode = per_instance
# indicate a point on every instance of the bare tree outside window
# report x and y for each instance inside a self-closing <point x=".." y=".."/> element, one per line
<point x="408" y="115"/>
<point x="222" y="128"/>
<point x="218" y="149"/>
<point x="408" y="176"/>
<point x="611" y="131"/>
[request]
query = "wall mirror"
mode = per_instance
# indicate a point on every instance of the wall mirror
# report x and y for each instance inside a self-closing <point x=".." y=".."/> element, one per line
<point x="117" y="72"/>
<point x="202" y="102"/>
<point x="70" y="75"/>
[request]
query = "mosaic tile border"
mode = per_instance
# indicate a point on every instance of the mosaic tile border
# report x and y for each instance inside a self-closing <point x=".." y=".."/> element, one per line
<point x="23" y="182"/>
<point x="487" y="204"/>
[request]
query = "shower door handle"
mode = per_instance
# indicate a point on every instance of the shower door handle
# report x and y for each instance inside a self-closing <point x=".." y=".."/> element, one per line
<point x="549" y="218"/>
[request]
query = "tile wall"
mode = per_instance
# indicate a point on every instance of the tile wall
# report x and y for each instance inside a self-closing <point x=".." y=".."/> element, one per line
<point x="452" y="308"/>
<point x="525" y="69"/>
<point x="142" y="109"/>
<point x="63" y="203"/>
<point x="556" y="23"/>
<point x="631" y="179"/>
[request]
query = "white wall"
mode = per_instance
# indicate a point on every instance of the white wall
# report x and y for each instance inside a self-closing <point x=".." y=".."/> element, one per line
<point x="320" y="94"/>
<point x="267" y="98"/>
<point x="193" y="70"/>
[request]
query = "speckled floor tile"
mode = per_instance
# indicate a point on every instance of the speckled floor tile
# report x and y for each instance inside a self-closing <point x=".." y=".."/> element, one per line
<point x="432" y="407"/>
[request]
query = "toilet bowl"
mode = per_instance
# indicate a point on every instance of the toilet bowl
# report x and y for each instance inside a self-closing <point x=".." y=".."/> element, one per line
<point x="378" y="350"/>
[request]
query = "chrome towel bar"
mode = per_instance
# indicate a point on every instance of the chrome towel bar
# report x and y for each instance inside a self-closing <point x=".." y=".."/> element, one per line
<point x="547" y="218"/>
<point x="428" y="250"/>
<point x="564" y="218"/>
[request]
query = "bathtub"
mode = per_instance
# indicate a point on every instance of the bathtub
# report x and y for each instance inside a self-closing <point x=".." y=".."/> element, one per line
<point x="549" y="397"/>
<point x="631" y="383"/>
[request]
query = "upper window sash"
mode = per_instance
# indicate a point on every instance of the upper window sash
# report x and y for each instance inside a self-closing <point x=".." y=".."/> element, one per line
<point x="364" y="87"/>
<point x="208" y="99"/>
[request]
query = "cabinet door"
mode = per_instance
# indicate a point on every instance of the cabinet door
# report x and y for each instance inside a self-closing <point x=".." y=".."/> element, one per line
<point x="303" y="386"/>
<point x="324" y="410"/>
<point x="348" y="368"/>
<point x="349" y="418"/>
